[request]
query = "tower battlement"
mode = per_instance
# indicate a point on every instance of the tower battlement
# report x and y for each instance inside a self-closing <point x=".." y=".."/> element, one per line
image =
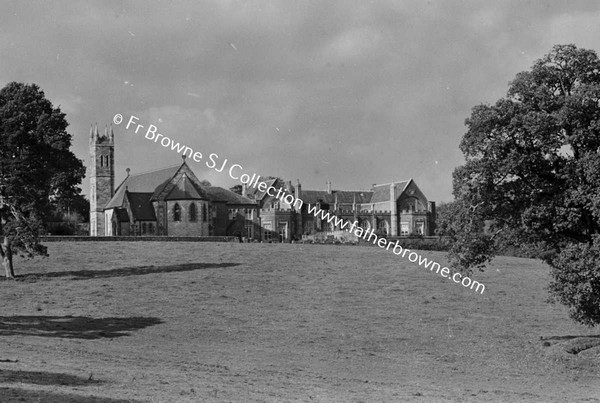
<point x="102" y="176"/>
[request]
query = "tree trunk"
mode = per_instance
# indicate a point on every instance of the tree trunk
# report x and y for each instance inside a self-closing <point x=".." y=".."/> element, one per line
<point x="7" y="258"/>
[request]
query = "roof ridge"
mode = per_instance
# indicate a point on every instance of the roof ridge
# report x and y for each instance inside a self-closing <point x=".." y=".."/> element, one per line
<point x="392" y="183"/>
<point x="154" y="170"/>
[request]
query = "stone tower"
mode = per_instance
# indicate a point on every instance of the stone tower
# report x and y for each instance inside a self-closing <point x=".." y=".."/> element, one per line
<point x="102" y="176"/>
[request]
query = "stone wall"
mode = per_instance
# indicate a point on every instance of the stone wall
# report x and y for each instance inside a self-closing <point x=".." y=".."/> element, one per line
<point x="76" y="238"/>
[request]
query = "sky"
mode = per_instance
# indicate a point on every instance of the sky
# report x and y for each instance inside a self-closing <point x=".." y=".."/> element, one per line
<point x="352" y="92"/>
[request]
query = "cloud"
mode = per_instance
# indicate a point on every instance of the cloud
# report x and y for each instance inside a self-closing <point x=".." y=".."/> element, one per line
<point x="353" y="92"/>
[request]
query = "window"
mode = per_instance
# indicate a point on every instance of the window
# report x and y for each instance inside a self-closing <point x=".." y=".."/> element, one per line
<point x="249" y="231"/>
<point x="383" y="227"/>
<point x="267" y="234"/>
<point x="150" y="228"/>
<point x="283" y="231"/>
<point x="144" y="229"/>
<point x="420" y="228"/>
<point x="404" y="228"/>
<point x="176" y="212"/>
<point x="204" y="213"/>
<point x="193" y="212"/>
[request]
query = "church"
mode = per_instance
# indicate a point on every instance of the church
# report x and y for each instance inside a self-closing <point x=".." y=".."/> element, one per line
<point x="172" y="201"/>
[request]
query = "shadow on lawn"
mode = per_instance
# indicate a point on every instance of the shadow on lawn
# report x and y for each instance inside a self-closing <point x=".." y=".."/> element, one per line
<point x="44" y="378"/>
<point x="22" y="395"/>
<point x="72" y="327"/>
<point x="565" y="338"/>
<point x="124" y="271"/>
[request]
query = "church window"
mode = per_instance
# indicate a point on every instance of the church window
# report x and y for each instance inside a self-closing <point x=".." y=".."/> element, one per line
<point x="204" y="213"/>
<point x="193" y="212"/>
<point x="176" y="212"/>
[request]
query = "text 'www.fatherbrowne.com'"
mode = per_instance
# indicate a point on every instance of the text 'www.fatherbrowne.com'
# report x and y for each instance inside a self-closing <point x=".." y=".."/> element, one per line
<point x="236" y="172"/>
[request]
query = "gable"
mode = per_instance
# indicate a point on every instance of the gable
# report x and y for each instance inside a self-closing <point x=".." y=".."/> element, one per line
<point x="188" y="188"/>
<point x="184" y="189"/>
<point x="413" y="191"/>
<point x="382" y="193"/>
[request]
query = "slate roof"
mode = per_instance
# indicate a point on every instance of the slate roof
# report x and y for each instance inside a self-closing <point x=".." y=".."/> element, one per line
<point x="185" y="189"/>
<point x="343" y="196"/>
<point x="122" y="215"/>
<point x="141" y="207"/>
<point x="219" y="194"/>
<point x="141" y="183"/>
<point x="257" y="194"/>
<point x="314" y="196"/>
<point x="381" y="193"/>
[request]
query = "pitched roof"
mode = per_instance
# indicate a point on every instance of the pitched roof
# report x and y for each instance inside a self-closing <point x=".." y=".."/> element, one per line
<point x="343" y="196"/>
<point x="257" y="194"/>
<point x="381" y="193"/>
<point x="349" y="196"/>
<point x="141" y="183"/>
<point x="122" y="215"/>
<point x="315" y="196"/>
<point x="141" y="207"/>
<point x="219" y="194"/>
<point x="184" y="189"/>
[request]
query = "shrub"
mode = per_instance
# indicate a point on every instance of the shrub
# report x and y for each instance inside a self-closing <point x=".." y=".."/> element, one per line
<point x="576" y="281"/>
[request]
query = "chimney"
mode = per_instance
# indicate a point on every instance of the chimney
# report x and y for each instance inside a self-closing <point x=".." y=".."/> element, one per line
<point x="329" y="187"/>
<point x="244" y="190"/>
<point x="298" y="189"/>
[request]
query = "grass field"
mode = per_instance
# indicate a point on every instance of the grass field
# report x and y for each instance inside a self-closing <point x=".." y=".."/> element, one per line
<point x="191" y="322"/>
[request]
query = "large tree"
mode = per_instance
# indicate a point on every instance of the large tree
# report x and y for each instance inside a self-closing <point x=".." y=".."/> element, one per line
<point x="532" y="176"/>
<point x="37" y="169"/>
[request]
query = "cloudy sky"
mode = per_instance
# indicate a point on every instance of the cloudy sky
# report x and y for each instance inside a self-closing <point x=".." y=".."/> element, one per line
<point x="354" y="92"/>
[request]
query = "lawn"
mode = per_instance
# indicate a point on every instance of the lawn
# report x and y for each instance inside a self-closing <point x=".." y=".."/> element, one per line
<point x="190" y="322"/>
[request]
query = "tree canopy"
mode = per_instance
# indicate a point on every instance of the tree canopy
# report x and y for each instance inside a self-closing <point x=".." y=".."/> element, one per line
<point x="37" y="169"/>
<point x="531" y="176"/>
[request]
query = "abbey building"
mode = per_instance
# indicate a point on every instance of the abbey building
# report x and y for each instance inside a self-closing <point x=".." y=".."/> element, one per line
<point x="172" y="201"/>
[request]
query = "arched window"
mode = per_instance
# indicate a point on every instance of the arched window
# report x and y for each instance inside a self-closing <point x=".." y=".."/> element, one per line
<point x="176" y="212"/>
<point x="193" y="212"/>
<point x="204" y="213"/>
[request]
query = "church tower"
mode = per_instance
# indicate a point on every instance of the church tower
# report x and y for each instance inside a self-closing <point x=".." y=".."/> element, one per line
<point x="102" y="176"/>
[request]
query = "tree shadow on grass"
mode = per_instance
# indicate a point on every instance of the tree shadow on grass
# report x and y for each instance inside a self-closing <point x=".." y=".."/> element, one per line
<point x="564" y="338"/>
<point x="44" y="378"/>
<point x="73" y="327"/>
<point x="124" y="271"/>
<point x="22" y="395"/>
